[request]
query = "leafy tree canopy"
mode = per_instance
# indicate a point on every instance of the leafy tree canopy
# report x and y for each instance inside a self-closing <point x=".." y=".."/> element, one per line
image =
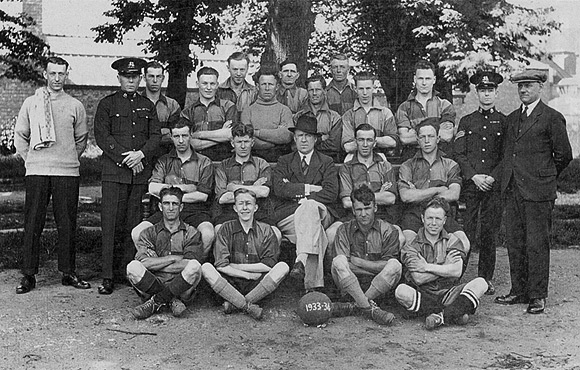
<point x="175" y="25"/>
<point x="22" y="53"/>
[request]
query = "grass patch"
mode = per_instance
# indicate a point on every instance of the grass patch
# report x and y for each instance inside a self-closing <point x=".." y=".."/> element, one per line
<point x="87" y="242"/>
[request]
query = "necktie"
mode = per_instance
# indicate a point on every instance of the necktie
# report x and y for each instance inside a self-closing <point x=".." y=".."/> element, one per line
<point x="304" y="166"/>
<point x="523" y="116"/>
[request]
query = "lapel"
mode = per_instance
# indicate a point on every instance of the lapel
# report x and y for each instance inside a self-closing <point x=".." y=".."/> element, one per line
<point x="532" y="119"/>
<point x="313" y="167"/>
<point x="295" y="166"/>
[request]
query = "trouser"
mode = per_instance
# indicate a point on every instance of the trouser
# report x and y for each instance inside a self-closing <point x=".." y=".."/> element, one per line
<point x="65" y="196"/>
<point x="306" y="228"/>
<point x="483" y="208"/>
<point x="120" y="213"/>
<point x="528" y="228"/>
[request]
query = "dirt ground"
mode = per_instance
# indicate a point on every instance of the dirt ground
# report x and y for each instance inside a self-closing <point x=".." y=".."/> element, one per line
<point x="57" y="327"/>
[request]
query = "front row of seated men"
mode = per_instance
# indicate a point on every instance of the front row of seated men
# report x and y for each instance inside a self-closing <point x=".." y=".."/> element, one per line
<point x="170" y="253"/>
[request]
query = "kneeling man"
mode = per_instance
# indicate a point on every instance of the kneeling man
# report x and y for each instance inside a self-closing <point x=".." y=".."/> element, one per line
<point x="366" y="248"/>
<point x="434" y="262"/>
<point x="167" y="266"/>
<point x="246" y="267"/>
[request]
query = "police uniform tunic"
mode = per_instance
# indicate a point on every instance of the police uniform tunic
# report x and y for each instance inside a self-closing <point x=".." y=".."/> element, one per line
<point x="478" y="149"/>
<point x="123" y="122"/>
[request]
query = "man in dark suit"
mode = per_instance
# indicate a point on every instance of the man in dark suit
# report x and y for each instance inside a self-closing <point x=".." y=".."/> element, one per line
<point x="305" y="184"/>
<point x="536" y="150"/>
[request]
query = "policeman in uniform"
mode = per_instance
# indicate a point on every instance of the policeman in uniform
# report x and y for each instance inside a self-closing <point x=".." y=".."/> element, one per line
<point x="128" y="132"/>
<point x="478" y="149"/>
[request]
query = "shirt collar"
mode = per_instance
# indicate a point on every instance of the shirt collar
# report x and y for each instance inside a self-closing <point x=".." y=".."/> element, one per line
<point x="308" y="106"/>
<point x="161" y="226"/>
<point x="423" y="239"/>
<point x="231" y="161"/>
<point x="227" y="84"/>
<point x="374" y="104"/>
<point x="530" y="107"/>
<point x="486" y="111"/>
<point x="193" y="157"/>
<point x="376" y="158"/>
<point x="334" y="85"/>
<point x="237" y="227"/>
<point x="127" y="95"/>
<point x="308" y="157"/>
<point x="198" y="102"/>
<point x="162" y="98"/>
<point x="413" y="95"/>
<point x="419" y="154"/>
<point x="376" y="225"/>
<point x="292" y="89"/>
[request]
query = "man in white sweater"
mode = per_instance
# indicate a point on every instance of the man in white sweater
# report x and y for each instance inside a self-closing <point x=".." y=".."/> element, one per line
<point x="50" y="135"/>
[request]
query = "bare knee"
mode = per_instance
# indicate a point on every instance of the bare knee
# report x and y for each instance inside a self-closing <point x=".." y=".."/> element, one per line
<point x="279" y="271"/>
<point x="404" y="295"/>
<point x="191" y="270"/>
<point x="210" y="273"/>
<point x="135" y="271"/>
<point x="136" y="232"/>
<point x="393" y="269"/>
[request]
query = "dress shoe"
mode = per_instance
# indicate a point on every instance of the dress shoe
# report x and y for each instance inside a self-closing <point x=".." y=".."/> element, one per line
<point x="536" y="305"/>
<point x="74" y="281"/>
<point x="297" y="273"/>
<point x="510" y="299"/>
<point x="490" y="288"/>
<point x="107" y="287"/>
<point x="27" y="283"/>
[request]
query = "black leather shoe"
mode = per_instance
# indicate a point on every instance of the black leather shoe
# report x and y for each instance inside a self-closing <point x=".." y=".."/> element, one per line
<point x="536" y="305"/>
<point x="490" y="288"/>
<point x="510" y="299"/>
<point x="27" y="283"/>
<point x="297" y="273"/>
<point x="107" y="287"/>
<point x="74" y="281"/>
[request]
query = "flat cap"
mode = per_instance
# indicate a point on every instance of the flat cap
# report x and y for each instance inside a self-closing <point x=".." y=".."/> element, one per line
<point x="531" y="75"/>
<point x="486" y="79"/>
<point x="129" y="66"/>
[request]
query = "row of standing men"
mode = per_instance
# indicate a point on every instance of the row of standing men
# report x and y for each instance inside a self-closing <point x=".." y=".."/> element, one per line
<point x="125" y="128"/>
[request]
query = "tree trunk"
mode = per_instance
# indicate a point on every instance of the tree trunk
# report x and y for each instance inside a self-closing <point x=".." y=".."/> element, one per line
<point x="290" y="24"/>
<point x="177" y="82"/>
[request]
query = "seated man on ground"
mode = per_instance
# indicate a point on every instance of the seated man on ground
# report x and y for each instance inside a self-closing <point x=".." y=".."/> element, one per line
<point x="242" y="171"/>
<point x="210" y="118"/>
<point x="427" y="175"/>
<point x="193" y="174"/>
<point x="167" y="265"/>
<point x="270" y="118"/>
<point x="329" y="121"/>
<point x="306" y="186"/>
<point x="367" y="248"/>
<point x="246" y="267"/>
<point x="434" y="262"/>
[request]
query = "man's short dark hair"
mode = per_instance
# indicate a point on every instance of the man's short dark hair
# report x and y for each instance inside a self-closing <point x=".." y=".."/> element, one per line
<point x="436" y="202"/>
<point x="208" y="71"/>
<point x="363" y="194"/>
<point x="286" y="62"/>
<point x="364" y="76"/>
<point x="424" y="64"/>
<point x="154" y="64"/>
<point x="434" y="122"/>
<point x="365" y="127"/>
<point x="315" y="78"/>
<point x="245" y="191"/>
<point x="238" y="55"/>
<point x="266" y="70"/>
<point x="56" y="60"/>
<point x="241" y="130"/>
<point x="181" y="122"/>
<point x="172" y="190"/>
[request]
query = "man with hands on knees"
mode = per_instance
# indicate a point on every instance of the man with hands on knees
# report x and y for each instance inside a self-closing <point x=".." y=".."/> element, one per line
<point x="246" y="267"/>
<point x="167" y="265"/>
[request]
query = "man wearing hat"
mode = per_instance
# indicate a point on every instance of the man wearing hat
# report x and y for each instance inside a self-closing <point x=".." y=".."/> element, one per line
<point x="478" y="148"/>
<point x="305" y="184"/>
<point x="128" y="132"/>
<point x="536" y="150"/>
